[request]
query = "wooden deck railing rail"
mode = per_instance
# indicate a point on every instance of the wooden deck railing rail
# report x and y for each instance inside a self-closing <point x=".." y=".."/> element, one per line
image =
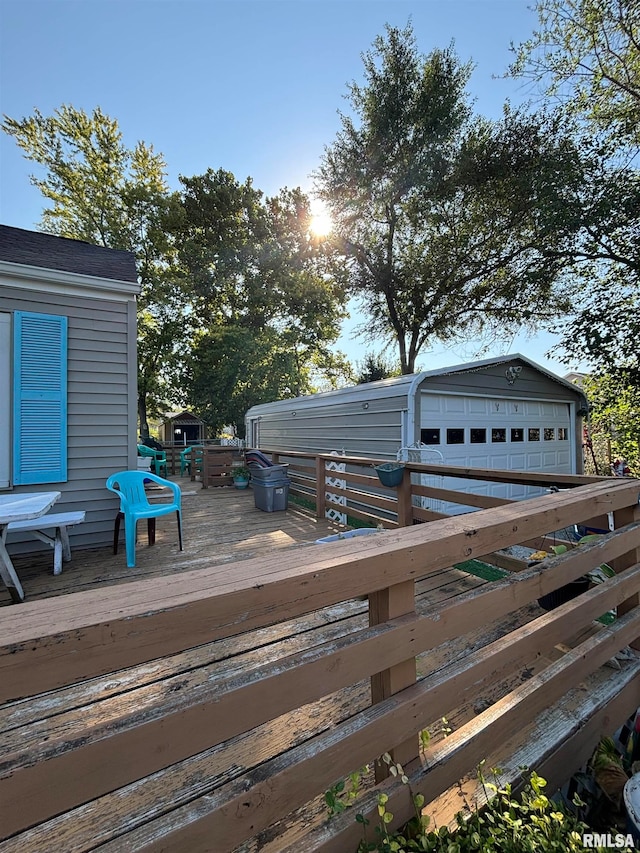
<point x="368" y="501"/>
<point x="96" y="755"/>
<point x="173" y="453"/>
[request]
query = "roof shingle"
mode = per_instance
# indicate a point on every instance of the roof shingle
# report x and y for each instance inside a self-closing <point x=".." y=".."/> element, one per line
<point x="37" y="249"/>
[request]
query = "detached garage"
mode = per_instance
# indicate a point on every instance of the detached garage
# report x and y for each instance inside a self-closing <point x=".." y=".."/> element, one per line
<point x="505" y="412"/>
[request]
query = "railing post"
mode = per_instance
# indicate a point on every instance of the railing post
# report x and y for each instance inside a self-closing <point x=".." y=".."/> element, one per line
<point x="320" y="475"/>
<point x="628" y="515"/>
<point x="386" y="604"/>
<point x="405" y="507"/>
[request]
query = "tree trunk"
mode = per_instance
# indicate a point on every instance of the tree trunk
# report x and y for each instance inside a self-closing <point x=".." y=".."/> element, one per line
<point x="142" y="415"/>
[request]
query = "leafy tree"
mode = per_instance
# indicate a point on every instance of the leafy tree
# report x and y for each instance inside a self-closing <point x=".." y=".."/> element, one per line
<point x="246" y="269"/>
<point x="375" y="366"/>
<point x="101" y="192"/>
<point x="232" y="368"/>
<point x="586" y="54"/>
<point x="614" y="420"/>
<point x="266" y="298"/>
<point x="452" y="225"/>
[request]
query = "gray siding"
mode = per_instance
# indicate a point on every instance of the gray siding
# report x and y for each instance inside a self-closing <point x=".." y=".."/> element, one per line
<point x="490" y="381"/>
<point x="101" y="403"/>
<point x="335" y="426"/>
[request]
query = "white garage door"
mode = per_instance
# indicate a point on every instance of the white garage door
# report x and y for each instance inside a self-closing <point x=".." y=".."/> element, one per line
<point x="481" y="432"/>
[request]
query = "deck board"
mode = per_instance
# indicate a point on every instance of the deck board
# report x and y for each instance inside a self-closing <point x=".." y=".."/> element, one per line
<point x="220" y="526"/>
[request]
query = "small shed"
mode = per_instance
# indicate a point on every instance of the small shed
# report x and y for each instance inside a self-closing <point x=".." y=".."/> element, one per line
<point x="505" y="412"/>
<point x="68" y="373"/>
<point x="182" y="428"/>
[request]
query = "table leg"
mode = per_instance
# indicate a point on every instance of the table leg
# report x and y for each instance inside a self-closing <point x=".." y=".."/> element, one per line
<point x="8" y="573"/>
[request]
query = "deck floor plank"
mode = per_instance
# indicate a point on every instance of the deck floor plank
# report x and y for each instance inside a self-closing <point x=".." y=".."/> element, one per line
<point x="219" y="525"/>
<point x="222" y="526"/>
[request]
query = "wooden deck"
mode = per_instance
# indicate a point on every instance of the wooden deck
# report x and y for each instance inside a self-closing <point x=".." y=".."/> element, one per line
<point x="220" y="525"/>
<point x="218" y="717"/>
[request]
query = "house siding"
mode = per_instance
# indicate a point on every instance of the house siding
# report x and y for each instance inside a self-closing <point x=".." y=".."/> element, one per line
<point x="101" y="400"/>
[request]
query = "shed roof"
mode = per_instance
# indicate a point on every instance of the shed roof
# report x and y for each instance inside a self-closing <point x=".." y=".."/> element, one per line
<point x="37" y="249"/>
<point x="404" y="386"/>
<point x="183" y="417"/>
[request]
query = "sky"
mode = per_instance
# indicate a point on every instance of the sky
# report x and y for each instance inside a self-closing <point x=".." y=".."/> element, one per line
<point x="250" y="86"/>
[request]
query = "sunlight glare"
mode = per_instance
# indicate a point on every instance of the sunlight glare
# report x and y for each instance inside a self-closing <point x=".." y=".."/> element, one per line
<point x="321" y="223"/>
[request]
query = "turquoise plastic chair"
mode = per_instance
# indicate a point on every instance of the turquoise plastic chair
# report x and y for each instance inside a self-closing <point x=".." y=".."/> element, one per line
<point x="185" y="461"/>
<point x="134" y="504"/>
<point x="158" y="458"/>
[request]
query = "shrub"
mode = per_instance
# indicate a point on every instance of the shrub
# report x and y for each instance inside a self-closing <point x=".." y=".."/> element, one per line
<point x="528" y="822"/>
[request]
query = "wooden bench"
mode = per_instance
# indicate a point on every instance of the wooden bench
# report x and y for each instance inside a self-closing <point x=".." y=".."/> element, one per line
<point x="59" y="521"/>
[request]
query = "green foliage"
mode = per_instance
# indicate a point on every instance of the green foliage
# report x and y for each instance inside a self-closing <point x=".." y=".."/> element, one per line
<point x="343" y="794"/>
<point x="528" y="821"/>
<point x="232" y="284"/>
<point x="614" y="419"/>
<point x="375" y="366"/>
<point x="241" y="472"/>
<point x="605" y="327"/>
<point x="231" y="369"/>
<point x="451" y="225"/>
<point x="585" y="54"/>
<point x="93" y="181"/>
<point x="106" y="194"/>
<point x="265" y="298"/>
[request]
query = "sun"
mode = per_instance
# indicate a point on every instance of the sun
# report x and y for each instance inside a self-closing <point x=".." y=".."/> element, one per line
<point x="321" y="222"/>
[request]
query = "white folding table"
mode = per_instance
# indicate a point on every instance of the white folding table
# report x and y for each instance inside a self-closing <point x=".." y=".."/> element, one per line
<point x="19" y="507"/>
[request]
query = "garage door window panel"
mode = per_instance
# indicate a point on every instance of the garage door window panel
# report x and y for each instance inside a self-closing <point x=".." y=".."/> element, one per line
<point x="455" y="436"/>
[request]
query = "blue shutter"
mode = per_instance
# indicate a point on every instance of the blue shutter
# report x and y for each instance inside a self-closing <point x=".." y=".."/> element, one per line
<point x="39" y="399"/>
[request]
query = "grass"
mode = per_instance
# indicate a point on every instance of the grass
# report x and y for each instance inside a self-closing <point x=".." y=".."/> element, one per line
<point x="472" y="567"/>
<point x="481" y="570"/>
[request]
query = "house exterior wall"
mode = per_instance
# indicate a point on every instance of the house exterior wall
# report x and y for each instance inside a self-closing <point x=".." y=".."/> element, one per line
<point x="101" y="375"/>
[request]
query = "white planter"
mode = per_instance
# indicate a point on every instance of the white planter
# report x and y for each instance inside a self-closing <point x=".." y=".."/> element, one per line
<point x="349" y="534"/>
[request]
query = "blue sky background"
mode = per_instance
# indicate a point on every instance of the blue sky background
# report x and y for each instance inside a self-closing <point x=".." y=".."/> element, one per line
<point x="251" y="86"/>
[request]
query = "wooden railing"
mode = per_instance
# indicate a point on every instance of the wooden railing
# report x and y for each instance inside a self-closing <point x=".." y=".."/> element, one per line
<point x="368" y="501"/>
<point x="173" y="453"/>
<point x="70" y="774"/>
